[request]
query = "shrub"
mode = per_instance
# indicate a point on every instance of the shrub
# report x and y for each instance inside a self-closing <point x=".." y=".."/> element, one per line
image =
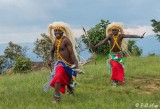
<point x="22" y="64"/>
<point x="151" y="54"/>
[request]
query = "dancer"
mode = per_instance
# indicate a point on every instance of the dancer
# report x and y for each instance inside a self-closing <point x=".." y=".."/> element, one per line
<point x="66" y="59"/>
<point x="115" y="35"/>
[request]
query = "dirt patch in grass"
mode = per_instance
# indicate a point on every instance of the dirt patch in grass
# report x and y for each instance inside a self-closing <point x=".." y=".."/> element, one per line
<point x="39" y="65"/>
<point x="146" y="85"/>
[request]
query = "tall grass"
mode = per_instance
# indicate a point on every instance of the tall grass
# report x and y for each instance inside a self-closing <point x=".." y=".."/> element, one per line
<point x="94" y="90"/>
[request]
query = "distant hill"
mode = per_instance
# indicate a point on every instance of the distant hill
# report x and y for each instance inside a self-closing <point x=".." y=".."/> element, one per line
<point x="2" y="48"/>
<point x="149" y="44"/>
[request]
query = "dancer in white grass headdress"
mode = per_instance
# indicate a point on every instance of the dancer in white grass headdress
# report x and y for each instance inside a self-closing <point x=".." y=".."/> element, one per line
<point x="115" y="35"/>
<point x="65" y="68"/>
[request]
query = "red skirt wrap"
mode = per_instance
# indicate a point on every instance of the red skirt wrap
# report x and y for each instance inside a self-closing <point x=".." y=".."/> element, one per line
<point x="117" y="71"/>
<point x="60" y="77"/>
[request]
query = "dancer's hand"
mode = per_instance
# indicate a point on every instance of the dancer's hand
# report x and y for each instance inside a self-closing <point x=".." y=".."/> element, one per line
<point x="79" y="71"/>
<point x="49" y="62"/>
<point x="73" y="66"/>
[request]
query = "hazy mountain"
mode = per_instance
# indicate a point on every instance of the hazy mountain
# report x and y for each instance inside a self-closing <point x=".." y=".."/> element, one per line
<point x="149" y="44"/>
<point x="2" y="48"/>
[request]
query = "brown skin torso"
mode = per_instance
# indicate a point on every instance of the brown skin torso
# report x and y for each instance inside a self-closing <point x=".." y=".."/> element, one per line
<point x="119" y="41"/>
<point x="65" y="49"/>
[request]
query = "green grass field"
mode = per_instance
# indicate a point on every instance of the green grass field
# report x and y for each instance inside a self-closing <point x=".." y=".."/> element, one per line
<point x="94" y="89"/>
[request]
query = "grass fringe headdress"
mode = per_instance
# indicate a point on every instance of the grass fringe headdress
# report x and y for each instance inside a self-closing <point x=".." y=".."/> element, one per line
<point x="67" y="31"/>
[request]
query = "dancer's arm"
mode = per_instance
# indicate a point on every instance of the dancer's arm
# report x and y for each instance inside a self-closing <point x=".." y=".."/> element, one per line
<point x="52" y="52"/>
<point x="71" y="52"/>
<point x="133" y="36"/>
<point x="102" y="42"/>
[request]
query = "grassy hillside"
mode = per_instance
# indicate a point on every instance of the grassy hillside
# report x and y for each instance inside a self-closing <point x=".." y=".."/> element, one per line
<point x="94" y="90"/>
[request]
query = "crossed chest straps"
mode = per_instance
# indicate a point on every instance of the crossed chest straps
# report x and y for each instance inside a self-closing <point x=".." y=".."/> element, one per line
<point x="58" y="55"/>
<point x="115" y="43"/>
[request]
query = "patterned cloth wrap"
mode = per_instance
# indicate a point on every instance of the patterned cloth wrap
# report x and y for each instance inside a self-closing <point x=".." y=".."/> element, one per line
<point x="118" y="57"/>
<point x="70" y="72"/>
<point x="117" y="65"/>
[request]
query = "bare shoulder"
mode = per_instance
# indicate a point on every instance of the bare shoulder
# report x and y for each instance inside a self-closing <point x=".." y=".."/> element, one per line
<point x="121" y="35"/>
<point x="66" y="40"/>
<point x="109" y="36"/>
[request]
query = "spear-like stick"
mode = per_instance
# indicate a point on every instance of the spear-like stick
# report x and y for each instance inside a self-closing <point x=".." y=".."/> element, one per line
<point x="143" y="34"/>
<point x="50" y="66"/>
<point x="89" y="45"/>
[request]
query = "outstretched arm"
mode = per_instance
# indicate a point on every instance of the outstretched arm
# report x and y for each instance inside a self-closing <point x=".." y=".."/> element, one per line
<point x="133" y="36"/>
<point x="102" y="42"/>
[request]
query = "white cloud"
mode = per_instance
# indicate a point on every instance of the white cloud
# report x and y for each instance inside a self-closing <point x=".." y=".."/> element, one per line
<point x="77" y="32"/>
<point x="18" y="35"/>
<point x="139" y="30"/>
<point x="29" y="12"/>
<point x="25" y="20"/>
<point x="27" y="34"/>
<point x="8" y="1"/>
<point x="26" y="3"/>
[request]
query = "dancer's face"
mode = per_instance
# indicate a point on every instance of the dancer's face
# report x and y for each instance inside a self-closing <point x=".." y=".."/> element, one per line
<point x="115" y="31"/>
<point x="58" y="33"/>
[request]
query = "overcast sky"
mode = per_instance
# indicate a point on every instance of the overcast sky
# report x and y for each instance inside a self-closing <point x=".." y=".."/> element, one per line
<point x="25" y="20"/>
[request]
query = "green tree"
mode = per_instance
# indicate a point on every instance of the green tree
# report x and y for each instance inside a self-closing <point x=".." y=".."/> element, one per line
<point x="22" y="64"/>
<point x="133" y="48"/>
<point x="95" y="35"/>
<point x="42" y="47"/>
<point x="156" y="28"/>
<point x="12" y="52"/>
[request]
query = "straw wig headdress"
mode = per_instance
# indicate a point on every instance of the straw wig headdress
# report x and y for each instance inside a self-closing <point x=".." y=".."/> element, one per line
<point x="118" y="25"/>
<point x="114" y="25"/>
<point x="67" y="31"/>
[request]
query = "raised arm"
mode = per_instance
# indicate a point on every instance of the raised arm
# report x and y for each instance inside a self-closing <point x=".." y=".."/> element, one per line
<point x="71" y="52"/>
<point x="133" y="36"/>
<point x="102" y="42"/>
